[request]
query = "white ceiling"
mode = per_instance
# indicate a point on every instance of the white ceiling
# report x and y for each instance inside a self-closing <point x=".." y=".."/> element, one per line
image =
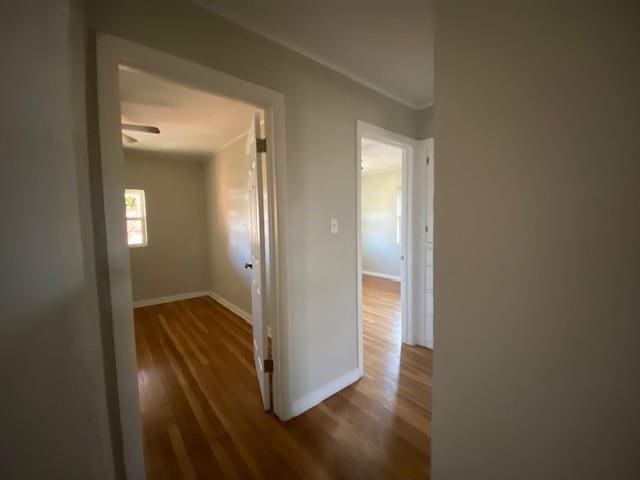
<point x="378" y="156"/>
<point x="190" y="121"/>
<point x="385" y="44"/>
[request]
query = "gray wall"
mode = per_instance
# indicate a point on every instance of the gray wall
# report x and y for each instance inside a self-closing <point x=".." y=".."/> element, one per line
<point x="424" y="123"/>
<point x="537" y="245"/>
<point x="380" y="250"/>
<point x="53" y="409"/>
<point x="228" y="218"/>
<point x="322" y="107"/>
<point x="176" y="258"/>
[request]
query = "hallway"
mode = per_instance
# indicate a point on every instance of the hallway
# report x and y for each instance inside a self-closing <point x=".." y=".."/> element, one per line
<point x="202" y="416"/>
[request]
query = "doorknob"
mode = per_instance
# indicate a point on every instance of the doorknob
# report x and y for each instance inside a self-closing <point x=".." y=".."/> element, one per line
<point x="248" y="265"/>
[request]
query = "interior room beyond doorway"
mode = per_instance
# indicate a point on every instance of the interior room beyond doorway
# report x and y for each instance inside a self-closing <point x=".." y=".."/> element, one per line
<point x="382" y="230"/>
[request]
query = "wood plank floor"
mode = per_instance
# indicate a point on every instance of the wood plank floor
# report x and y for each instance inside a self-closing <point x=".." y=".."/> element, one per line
<point x="202" y="417"/>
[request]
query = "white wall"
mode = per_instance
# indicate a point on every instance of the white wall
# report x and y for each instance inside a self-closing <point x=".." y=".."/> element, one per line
<point x="53" y="406"/>
<point x="380" y="248"/>
<point x="537" y="245"/>
<point x="321" y="111"/>
<point x="229" y="222"/>
<point x="176" y="258"/>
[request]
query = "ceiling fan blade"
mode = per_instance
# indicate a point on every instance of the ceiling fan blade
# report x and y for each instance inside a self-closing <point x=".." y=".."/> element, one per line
<point x="128" y="139"/>
<point x="140" y="128"/>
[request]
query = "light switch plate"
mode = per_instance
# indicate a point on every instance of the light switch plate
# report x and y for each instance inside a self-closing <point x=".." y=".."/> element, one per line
<point x="334" y="225"/>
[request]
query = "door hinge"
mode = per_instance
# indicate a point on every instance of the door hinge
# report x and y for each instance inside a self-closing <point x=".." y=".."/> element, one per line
<point x="427" y="160"/>
<point x="268" y="365"/>
<point x="261" y="145"/>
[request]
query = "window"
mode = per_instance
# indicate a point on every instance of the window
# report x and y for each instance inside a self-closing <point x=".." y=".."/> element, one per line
<point x="398" y="214"/>
<point x="136" y="218"/>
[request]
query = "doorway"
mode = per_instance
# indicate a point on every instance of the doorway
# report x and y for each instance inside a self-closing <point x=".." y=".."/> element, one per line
<point x="194" y="218"/>
<point x="391" y="229"/>
<point x="414" y="223"/>
<point x="114" y="55"/>
<point x="384" y="243"/>
<point x="383" y="237"/>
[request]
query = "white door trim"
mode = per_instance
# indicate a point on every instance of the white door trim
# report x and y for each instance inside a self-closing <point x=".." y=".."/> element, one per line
<point x="112" y="52"/>
<point x="427" y="241"/>
<point x="408" y="145"/>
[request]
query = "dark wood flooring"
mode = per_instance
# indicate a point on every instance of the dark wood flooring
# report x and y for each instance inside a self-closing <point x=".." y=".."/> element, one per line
<point x="202" y="417"/>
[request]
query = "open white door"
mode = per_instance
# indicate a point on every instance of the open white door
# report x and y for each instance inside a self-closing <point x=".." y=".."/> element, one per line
<point x="254" y="158"/>
<point x="428" y="246"/>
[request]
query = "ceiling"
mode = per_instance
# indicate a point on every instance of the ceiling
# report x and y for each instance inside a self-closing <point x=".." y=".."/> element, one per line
<point x="378" y="156"/>
<point x="384" y="44"/>
<point x="190" y="121"/>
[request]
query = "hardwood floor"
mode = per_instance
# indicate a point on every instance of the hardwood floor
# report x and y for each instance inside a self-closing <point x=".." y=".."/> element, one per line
<point x="202" y="417"/>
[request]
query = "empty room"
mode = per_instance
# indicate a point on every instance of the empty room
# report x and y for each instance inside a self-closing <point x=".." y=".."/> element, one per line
<point x="221" y="222"/>
<point x="195" y="223"/>
<point x="393" y="239"/>
<point x="192" y="218"/>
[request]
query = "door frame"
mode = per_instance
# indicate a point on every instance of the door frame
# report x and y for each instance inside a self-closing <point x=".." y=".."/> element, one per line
<point x="427" y="240"/>
<point x="409" y="146"/>
<point x="111" y="53"/>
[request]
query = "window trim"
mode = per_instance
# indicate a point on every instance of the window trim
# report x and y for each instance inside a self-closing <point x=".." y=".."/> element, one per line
<point x="143" y="217"/>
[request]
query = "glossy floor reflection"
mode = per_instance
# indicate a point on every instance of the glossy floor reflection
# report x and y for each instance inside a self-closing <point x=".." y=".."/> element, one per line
<point x="202" y="416"/>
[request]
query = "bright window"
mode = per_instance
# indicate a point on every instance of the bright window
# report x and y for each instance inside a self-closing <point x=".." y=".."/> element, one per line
<point x="398" y="214"/>
<point x="136" y="218"/>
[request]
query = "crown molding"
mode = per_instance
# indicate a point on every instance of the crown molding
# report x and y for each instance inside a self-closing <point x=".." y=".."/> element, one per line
<point x="312" y="56"/>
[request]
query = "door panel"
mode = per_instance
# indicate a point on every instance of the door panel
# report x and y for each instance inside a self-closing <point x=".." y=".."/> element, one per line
<point x="429" y="307"/>
<point x="257" y="256"/>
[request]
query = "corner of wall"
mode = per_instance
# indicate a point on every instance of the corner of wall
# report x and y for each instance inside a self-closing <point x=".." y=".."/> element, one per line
<point x="424" y="123"/>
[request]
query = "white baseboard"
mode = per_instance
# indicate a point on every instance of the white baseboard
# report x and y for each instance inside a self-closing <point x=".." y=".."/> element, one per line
<point x="246" y="316"/>
<point x="170" y="298"/>
<point x="395" y="278"/>
<point x="314" y="398"/>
